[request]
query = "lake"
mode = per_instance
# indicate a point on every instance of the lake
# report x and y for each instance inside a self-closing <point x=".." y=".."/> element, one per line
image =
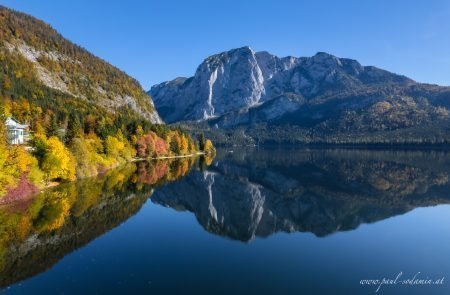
<point x="260" y="221"/>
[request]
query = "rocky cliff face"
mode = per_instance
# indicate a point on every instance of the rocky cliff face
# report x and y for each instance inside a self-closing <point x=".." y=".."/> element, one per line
<point x="243" y="78"/>
<point x="222" y="83"/>
<point x="319" y="94"/>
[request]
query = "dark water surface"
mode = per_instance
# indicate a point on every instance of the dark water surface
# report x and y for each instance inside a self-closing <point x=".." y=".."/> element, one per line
<point x="255" y="222"/>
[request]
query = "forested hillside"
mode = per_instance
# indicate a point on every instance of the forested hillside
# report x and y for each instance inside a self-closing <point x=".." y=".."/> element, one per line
<point x="38" y="64"/>
<point x="85" y="115"/>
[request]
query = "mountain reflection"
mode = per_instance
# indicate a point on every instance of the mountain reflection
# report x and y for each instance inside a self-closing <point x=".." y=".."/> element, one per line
<point x="241" y="195"/>
<point x="37" y="234"/>
<point x="258" y="193"/>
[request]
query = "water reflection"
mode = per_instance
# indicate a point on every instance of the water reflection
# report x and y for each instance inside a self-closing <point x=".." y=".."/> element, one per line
<point x="37" y="234"/>
<point x="241" y="195"/>
<point x="258" y="193"/>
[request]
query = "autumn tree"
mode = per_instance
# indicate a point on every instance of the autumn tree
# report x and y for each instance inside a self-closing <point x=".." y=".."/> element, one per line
<point x="174" y="142"/>
<point x="58" y="162"/>
<point x="184" y="145"/>
<point x="118" y="148"/>
<point x="113" y="146"/>
<point x="209" y="147"/>
<point x="161" y="148"/>
<point x="146" y="145"/>
<point x="16" y="165"/>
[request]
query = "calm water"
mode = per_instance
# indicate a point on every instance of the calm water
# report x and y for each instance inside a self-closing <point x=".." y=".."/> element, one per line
<point x="255" y="222"/>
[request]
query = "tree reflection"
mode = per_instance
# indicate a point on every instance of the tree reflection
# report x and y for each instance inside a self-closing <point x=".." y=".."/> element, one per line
<point x="35" y="235"/>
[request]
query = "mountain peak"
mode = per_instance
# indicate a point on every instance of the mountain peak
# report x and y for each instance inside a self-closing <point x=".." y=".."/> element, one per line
<point x="245" y="50"/>
<point x="324" y="54"/>
<point x="323" y="57"/>
<point x="233" y="86"/>
<point x="245" y="47"/>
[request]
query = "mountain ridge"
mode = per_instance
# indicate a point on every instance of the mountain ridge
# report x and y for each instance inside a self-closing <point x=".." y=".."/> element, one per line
<point x="322" y="94"/>
<point x="267" y="66"/>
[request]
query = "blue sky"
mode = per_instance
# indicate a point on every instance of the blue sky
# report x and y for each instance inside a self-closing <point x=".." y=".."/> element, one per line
<point x="156" y="41"/>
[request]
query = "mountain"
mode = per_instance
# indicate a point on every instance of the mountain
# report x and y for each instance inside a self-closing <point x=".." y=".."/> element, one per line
<point x="321" y="98"/>
<point x="41" y="66"/>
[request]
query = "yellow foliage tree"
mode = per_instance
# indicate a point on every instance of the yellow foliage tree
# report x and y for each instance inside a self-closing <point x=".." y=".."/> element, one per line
<point x="209" y="147"/>
<point x="58" y="162"/>
<point x="184" y="145"/>
<point x="114" y="147"/>
<point x="15" y="162"/>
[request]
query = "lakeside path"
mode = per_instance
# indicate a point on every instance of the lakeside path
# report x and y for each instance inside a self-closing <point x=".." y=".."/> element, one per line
<point x="169" y="157"/>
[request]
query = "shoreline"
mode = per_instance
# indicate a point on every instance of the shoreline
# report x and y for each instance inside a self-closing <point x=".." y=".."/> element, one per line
<point x="366" y="146"/>
<point x="53" y="184"/>
<point x="169" y="157"/>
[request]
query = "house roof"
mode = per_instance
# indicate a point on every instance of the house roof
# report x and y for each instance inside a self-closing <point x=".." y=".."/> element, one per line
<point x="11" y="123"/>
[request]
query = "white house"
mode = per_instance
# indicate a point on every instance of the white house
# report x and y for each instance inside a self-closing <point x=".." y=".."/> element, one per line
<point x="16" y="132"/>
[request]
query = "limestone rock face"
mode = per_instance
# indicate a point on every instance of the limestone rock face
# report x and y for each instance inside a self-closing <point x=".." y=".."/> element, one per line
<point x="262" y="98"/>
<point x="243" y="79"/>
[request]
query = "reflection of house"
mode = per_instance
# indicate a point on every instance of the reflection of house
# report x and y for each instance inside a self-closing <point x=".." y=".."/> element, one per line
<point x="16" y="131"/>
